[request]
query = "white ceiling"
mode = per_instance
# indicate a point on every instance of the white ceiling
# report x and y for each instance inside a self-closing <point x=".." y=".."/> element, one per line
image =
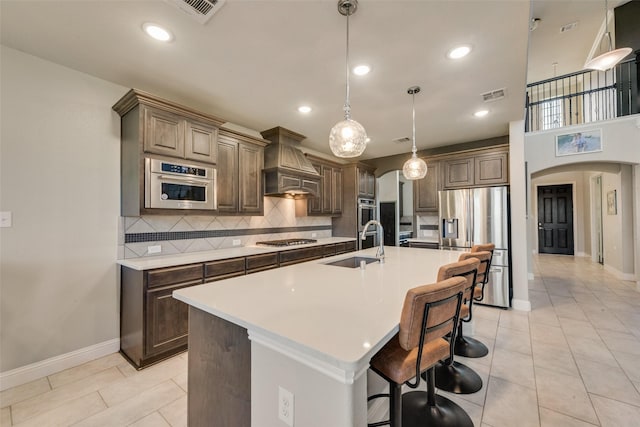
<point x="256" y="61"/>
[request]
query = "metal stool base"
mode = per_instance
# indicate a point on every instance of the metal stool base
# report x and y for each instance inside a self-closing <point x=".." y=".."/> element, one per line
<point x="469" y="347"/>
<point x="416" y="412"/>
<point x="457" y="378"/>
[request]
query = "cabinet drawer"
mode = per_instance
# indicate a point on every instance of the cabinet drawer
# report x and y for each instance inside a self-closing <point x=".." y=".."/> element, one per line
<point x="224" y="268"/>
<point x="345" y="247"/>
<point x="300" y="255"/>
<point x="172" y="275"/>
<point x="328" y="250"/>
<point x="261" y="262"/>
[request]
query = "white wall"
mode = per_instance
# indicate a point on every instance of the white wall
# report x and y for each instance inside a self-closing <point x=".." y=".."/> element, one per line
<point x="60" y="179"/>
<point x="388" y="187"/>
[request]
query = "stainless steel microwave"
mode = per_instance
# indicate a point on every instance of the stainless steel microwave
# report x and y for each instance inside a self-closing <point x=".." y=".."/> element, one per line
<point x="174" y="185"/>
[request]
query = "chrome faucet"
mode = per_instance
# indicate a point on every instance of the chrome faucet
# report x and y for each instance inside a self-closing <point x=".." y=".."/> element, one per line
<point x="380" y="252"/>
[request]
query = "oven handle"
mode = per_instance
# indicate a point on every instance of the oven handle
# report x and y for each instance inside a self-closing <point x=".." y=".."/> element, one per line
<point x="188" y="181"/>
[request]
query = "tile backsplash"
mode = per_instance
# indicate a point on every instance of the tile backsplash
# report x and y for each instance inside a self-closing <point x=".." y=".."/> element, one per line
<point x="191" y="233"/>
<point x="427" y="227"/>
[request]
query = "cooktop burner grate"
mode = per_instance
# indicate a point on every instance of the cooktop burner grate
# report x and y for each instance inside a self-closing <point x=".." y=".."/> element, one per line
<point x="286" y="242"/>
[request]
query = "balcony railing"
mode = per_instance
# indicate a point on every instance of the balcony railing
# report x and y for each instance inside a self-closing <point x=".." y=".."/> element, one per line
<point x="583" y="97"/>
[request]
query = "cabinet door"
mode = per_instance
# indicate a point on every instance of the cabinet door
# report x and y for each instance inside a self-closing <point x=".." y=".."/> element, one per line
<point x="227" y="184"/>
<point x="201" y="142"/>
<point x="327" y="185"/>
<point x="370" y="185"/>
<point x="336" y="191"/>
<point x="458" y="173"/>
<point x="164" y="133"/>
<point x="314" y="204"/>
<point x="167" y="320"/>
<point x="425" y="190"/>
<point x="362" y="183"/>
<point x="251" y="163"/>
<point x="492" y="169"/>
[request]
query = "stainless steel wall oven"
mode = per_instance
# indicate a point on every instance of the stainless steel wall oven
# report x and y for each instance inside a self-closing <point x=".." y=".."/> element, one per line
<point x="173" y="185"/>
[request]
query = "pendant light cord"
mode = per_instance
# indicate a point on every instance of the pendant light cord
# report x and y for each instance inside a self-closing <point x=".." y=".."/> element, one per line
<point x="413" y="149"/>
<point x="347" y="105"/>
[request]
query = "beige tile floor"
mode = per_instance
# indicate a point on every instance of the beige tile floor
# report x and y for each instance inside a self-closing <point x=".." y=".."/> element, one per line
<point x="571" y="362"/>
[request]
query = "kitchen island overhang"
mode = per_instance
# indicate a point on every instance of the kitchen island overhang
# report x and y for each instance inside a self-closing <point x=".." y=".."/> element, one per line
<point x="312" y="329"/>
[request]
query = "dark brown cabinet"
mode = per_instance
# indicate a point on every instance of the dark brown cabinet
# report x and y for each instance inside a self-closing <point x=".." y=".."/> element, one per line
<point x="240" y="174"/>
<point x="174" y="135"/>
<point x="329" y="200"/>
<point x="425" y="190"/>
<point x="485" y="168"/>
<point x="458" y="172"/>
<point x="366" y="183"/>
<point x="155" y="326"/>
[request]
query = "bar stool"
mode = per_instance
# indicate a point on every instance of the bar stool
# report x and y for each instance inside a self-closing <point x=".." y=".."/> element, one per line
<point x="467" y="346"/>
<point x="429" y="313"/>
<point x="487" y="247"/>
<point x="453" y="376"/>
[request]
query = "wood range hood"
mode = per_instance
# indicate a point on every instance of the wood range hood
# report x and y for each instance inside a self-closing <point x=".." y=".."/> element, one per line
<point x="287" y="171"/>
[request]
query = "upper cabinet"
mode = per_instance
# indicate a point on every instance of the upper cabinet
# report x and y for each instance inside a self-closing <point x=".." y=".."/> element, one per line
<point x="329" y="201"/>
<point x="480" y="169"/>
<point x="366" y="183"/>
<point x="158" y="129"/>
<point x="240" y="174"/>
<point x="172" y="135"/>
<point x="425" y="190"/>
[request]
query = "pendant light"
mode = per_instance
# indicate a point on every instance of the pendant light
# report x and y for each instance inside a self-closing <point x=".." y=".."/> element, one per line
<point x="415" y="167"/>
<point x="347" y="138"/>
<point x="610" y="58"/>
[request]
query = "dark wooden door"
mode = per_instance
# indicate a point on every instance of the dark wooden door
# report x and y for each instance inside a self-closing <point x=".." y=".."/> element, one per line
<point x="388" y="221"/>
<point x="555" y="219"/>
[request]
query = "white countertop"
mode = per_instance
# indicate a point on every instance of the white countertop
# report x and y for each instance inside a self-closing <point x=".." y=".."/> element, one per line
<point x="147" y="263"/>
<point x="337" y="316"/>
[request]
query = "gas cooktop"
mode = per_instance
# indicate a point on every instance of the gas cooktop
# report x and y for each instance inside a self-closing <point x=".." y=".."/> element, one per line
<point x="286" y="242"/>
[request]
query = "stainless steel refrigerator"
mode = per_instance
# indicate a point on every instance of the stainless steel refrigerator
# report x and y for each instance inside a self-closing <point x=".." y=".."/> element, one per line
<point x="475" y="216"/>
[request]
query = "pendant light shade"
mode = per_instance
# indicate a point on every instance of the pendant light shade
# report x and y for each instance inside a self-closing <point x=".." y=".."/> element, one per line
<point x="610" y="58"/>
<point x="348" y="137"/>
<point x="415" y="167"/>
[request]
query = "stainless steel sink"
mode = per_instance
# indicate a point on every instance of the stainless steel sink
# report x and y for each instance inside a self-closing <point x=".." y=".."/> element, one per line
<point x="353" y="262"/>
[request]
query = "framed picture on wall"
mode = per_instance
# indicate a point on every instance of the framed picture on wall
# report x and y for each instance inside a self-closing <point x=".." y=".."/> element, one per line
<point x="589" y="141"/>
<point x="612" y="203"/>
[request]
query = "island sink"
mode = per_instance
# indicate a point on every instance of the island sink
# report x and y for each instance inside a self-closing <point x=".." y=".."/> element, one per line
<point x="353" y="262"/>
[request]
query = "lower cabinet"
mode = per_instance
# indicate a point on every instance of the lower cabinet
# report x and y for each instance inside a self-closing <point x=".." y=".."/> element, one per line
<point x="155" y="326"/>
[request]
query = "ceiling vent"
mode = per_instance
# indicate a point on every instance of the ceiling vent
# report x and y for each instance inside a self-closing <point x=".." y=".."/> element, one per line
<point x="401" y="140"/>
<point x="569" y="27"/>
<point x="200" y="10"/>
<point x="494" y="95"/>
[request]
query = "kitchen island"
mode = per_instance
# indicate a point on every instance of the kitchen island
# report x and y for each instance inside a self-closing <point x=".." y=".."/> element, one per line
<point x="309" y="328"/>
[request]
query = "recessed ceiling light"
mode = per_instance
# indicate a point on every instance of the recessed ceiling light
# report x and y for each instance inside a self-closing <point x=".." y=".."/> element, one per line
<point x="157" y="32"/>
<point x="459" y="52"/>
<point x="304" y="109"/>
<point x="481" y="113"/>
<point x="361" y="70"/>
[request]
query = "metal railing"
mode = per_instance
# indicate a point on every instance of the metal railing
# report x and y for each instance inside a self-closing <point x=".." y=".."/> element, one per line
<point x="582" y="97"/>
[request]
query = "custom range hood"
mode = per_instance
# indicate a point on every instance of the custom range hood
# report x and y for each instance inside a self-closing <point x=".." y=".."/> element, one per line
<point x="287" y="172"/>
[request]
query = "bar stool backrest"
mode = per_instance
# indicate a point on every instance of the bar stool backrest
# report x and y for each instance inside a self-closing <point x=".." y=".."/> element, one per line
<point x="483" y="269"/>
<point x="467" y="269"/>
<point x="430" y="312"/>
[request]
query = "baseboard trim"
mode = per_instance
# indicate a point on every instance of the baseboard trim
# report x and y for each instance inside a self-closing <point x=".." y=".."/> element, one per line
<point x="521" y="305"/>
<point x="27" y="373"/>
<point x="582" y="254"/>
<point x="619" y="274"/>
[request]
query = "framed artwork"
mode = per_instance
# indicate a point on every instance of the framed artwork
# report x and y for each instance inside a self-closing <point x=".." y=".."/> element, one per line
<point x="589" y="141"/>
<point x="612" y="203"/>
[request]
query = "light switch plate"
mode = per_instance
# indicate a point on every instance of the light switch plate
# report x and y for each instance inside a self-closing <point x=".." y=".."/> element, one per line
<point x="154" y="249"/>
<point x="236" y="242"/>
<point x="6" y="219"/>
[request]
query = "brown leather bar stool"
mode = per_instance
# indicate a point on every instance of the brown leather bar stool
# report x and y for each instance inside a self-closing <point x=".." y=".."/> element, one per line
<point x="467" y="346"/>
<point x="453" y="376"/>
<point x="487" y="247"/>
<point x="429" y="313"/>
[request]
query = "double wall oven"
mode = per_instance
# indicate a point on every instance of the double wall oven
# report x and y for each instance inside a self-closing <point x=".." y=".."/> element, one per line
<point x="366" y="212"/>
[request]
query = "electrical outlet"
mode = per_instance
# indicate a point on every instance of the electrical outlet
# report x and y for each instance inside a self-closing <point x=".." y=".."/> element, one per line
<point x="154" y="249"/>
<point x="5" y="219"/>
<point x="285" y="406"/>
<point x="314" y="234"/>
<point x="236" y="242"/>
<point x="425" y="233"/>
